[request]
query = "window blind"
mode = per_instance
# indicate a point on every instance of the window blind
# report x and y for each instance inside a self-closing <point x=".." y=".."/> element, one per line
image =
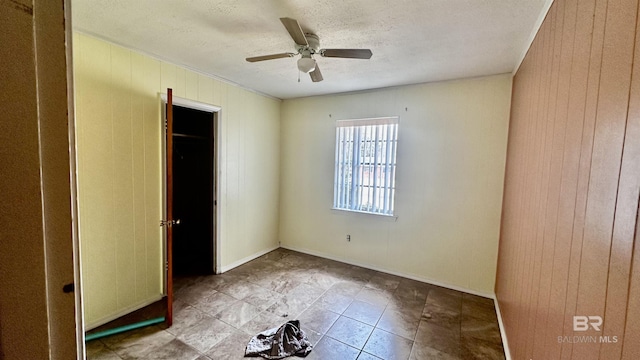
<point x="365" y="165"/>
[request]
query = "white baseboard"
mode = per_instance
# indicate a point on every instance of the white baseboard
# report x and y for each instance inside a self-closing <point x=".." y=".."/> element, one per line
<point x="103" y="320"/>
<point x="397" y="273"/>
<point x="503" y="333"/>
<point x="244" y="260"/>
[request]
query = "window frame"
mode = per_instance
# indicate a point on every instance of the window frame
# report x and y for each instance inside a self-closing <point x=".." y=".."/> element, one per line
<point x="385" y="145"/>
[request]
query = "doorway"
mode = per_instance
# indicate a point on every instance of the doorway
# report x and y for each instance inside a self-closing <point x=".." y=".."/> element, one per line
<point x="193" y="191"/>
<point x="196" y="163"/>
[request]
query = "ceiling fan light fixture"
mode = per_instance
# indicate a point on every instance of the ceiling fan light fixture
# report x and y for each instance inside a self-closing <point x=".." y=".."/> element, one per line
<point x="307" y="45"/>
<point x="306" y="64"/>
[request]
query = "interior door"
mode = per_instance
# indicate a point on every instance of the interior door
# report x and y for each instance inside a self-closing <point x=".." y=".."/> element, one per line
<point x="169" y="222"/>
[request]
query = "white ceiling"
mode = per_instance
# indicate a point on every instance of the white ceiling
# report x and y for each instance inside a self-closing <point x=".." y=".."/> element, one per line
<point x="413" y="41"/>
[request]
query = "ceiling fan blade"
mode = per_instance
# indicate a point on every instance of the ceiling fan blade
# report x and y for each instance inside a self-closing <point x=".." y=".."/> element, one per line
<point x="269" y="57"/>
<point x="347" y="53"/>
<point x="294" y="29"/>
<point x="316" y="75"/>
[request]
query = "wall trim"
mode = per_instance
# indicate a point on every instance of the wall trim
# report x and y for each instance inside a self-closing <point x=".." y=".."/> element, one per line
<point x="216" y="111"/>
<point x="503" y="332"/>
<point x="397" y="273"/>
<point x="245" y="260"/>
<point x="123" y="312"/>
<point x="73" y="180"/>
<point x="534" y="33"/>
<point x="192" y="104"/>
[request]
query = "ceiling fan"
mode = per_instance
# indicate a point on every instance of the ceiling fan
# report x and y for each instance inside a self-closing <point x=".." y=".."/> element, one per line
<point x="308" y="45"/>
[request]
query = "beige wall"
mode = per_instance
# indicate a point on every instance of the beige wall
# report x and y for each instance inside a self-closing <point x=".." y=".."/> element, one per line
<point x="37" y="320"/>
<point x="451" y="156"/>
<point x="119" y="171"/>
<point x="569" y="242"/>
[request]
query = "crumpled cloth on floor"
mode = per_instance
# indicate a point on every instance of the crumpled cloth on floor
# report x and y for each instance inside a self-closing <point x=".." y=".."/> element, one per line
<point x="280" y="342"/>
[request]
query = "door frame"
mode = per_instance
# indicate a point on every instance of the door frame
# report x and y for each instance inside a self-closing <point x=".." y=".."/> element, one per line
<point x="73" y="181"/>
<point x="216" y="114"/>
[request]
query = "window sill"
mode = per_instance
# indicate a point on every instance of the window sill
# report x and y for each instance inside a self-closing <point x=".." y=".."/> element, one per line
<point x="383" y="217"/>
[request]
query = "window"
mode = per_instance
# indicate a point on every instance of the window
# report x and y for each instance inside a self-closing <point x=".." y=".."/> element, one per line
<point x="366" y="165"/>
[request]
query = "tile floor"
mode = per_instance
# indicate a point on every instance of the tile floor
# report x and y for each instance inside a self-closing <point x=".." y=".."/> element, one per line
<point x="347" y="312"/>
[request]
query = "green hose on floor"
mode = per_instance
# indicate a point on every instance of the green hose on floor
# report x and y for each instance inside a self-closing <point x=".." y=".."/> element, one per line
<point x="124" y="328"/>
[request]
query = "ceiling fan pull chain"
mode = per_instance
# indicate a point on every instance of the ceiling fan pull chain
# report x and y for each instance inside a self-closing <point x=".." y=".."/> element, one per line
<point x="298" y="75"/>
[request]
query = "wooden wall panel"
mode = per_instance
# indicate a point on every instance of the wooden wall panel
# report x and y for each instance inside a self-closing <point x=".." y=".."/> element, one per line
<point x="569" y="222"/>
<point x="578" y="25"/>
<point x="626" y="250"/>
<point x="611" y="118"/>
<point x="631" y="345"/>
<point x="119" y="139"/>
<point x="596" y="11"/>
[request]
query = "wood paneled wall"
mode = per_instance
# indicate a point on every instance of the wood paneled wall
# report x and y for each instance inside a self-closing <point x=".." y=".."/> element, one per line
<point x="119" y="133"/>
<point x="568" y="242"/>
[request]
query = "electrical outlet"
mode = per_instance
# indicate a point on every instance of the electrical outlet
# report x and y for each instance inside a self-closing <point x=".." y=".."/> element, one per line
<point x="348" y="237"/>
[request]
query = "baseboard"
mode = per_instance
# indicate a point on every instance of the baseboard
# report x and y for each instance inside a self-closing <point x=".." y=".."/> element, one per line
<point x="121" y="313"/>
<point x="244" y="260"/>
<point x="397" y="273"/>
<point x="503" y="333"/>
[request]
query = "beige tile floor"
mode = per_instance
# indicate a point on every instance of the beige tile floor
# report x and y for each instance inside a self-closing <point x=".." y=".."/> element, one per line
<point x="347" y="312"/>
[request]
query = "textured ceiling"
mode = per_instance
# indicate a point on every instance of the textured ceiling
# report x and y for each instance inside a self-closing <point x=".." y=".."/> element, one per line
<point x="412" y="41"/>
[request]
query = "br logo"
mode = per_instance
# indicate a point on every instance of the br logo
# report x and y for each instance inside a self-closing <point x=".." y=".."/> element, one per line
<point x="582" y="323"/>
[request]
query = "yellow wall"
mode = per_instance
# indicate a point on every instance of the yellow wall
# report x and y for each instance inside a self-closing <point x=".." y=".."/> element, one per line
<point x="119" y="171"/>
<point x="451" y="157"/>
